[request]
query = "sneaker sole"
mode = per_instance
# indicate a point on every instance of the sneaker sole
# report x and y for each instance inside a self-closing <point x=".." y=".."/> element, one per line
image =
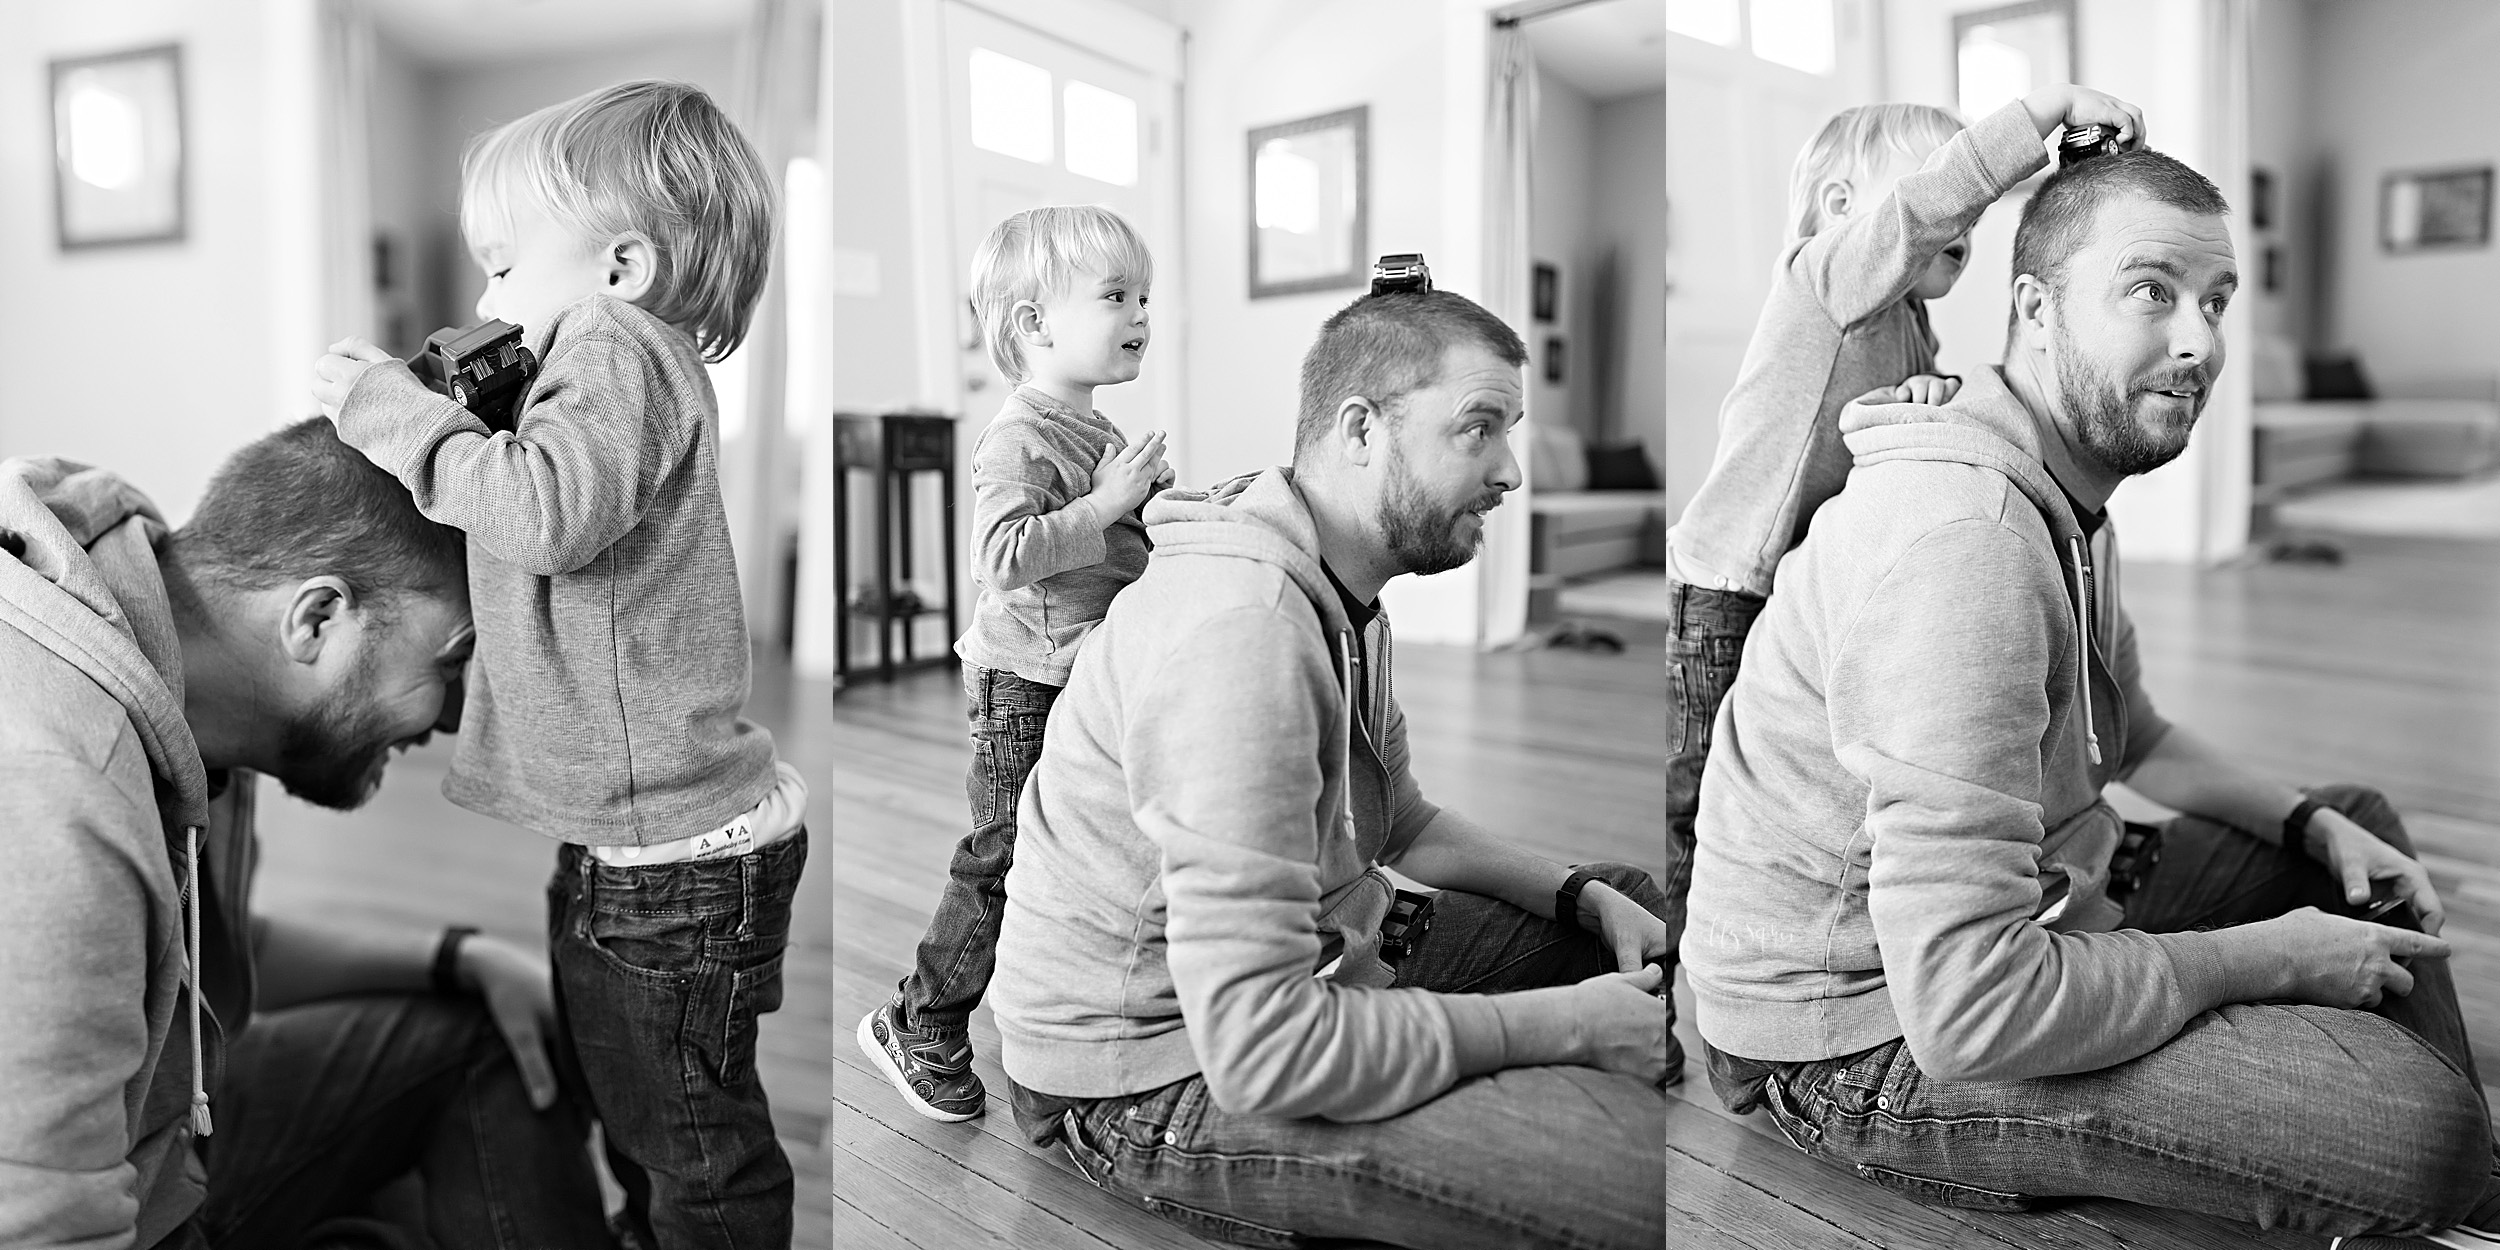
<point x="868" y="1045"/>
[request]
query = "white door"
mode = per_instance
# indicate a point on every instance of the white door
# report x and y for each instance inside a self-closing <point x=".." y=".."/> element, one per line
<point x="1735" y="121"/>
<point x="1032" y="120"/>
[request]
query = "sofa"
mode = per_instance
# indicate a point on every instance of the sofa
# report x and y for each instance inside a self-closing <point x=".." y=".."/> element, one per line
<point x="2321" y="421"/>
<point x="1578" y="530"/>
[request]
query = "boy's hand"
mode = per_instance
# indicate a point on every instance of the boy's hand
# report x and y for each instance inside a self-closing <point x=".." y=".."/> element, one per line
<point x="335" y="374"/>
<point x="1927" y="388"/>
<point x="2054" y="108"/>
<point x="1126" y="475"/>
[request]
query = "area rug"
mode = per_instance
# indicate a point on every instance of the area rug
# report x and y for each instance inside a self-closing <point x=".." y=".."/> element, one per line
<point x="2464" y="509"/>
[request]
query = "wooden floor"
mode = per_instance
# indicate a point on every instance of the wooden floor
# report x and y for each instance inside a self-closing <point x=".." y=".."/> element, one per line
<point x="2386" y="670"/>
<point x="410" y="857"/>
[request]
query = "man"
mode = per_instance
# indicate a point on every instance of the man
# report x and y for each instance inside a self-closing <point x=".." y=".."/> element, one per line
<point x="1914" y="938"/>
<point x="175" y="1070"/>
<point x="1218" y="788"/>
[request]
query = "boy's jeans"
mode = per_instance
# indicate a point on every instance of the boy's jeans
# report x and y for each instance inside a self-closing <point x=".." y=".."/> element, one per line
<point x="1555" y="1156"/>
<point x="952" y="968"/>
<point x="2283" y="1115"/>
<point x="1705" y="638"/>
<point x="325" y="1103"/>
<point x="661" y="971"/>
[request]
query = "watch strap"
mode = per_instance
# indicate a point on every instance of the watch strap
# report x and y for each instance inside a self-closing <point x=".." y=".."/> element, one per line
<point x="446" y="969"/>
<point x="2296" y="825"/>
<point x="1567" y="899"/>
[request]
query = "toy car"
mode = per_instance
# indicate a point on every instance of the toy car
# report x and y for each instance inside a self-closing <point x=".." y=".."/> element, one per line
<point x="483" y="368"/>
<point x="1401" y="271"/>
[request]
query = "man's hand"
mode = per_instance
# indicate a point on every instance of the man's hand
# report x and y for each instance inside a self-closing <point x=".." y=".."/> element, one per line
<point x="2065" y="104"/>
<point x="2358" y="857"/>
<point x="1927" y="388"/>
<point x="1126" y="475"/>
<point x="335" y="374"/>
<point x="1635" y="936"/>
<point x="520" y="995"/>
<point x="2337" y="961"/>
<point x="1623" y="1022"/>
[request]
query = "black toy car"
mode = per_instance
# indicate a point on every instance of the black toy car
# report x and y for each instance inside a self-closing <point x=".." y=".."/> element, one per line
<point x="483" y="368"/>
<point x="1400" y="271"/>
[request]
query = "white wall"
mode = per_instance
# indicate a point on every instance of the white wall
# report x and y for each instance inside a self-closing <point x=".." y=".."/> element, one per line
<point x="1559" y="213"/>
<point x="150" y="359"/>
<point x="876" y="367"/>
<point x="2398" y="86"/>
<point x="1630" y="209"/>
<point x="2283" y="140"/>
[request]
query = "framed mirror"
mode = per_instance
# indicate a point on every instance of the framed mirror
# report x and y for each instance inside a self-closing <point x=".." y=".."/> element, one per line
<point x="117" y="148"/>
<point x="1309" y="204"/>
<point x="2004" y="53"/>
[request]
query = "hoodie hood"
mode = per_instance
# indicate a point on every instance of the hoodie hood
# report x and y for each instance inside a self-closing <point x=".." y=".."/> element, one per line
<point x="1257" y="516"/>
<point x="1986" y="424"/>
<point x="78" y="574"/>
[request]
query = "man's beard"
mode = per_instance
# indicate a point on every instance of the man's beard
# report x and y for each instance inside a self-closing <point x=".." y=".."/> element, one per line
<point x="1422" y="536"/>
<point x="2104" y="411"/>
<point x="332" y="755"/>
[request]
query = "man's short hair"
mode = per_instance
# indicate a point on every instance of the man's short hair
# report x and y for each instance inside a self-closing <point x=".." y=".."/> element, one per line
<point x="1383" y="346"/>
<point x="2062" y="216"/>
<point x="299" y="504"/>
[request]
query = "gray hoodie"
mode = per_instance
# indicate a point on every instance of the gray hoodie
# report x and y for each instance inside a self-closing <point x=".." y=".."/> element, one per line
<point x="1902" y="832"/>
<point x="106" y="799"/>
<point x="1207" y="804"/>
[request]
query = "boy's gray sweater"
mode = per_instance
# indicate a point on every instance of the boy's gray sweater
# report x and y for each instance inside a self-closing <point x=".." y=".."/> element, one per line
<point x="1045" y="561"/>
<point x="1840" y="321"/>
<point x="603" y="705"/>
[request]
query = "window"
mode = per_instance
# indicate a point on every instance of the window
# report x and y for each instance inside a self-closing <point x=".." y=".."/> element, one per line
<point x="1794" y="33"/>
<point x="1102" y="134"/>
<point x="1010" y="107"/>
<point x="1713" y="21"/>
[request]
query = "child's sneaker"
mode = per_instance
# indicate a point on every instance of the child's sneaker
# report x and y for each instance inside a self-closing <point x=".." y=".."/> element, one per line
<point x="932" y="1071"/>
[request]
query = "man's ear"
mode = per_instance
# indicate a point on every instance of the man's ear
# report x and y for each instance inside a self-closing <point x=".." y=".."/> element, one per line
<point x="631" y="266"/>
<point x="312" y="616"/>
<point x="2034" y="311"/>
<point x="1359" y="427"/>
<point x="1025" y="322"/>
<point x="1833" y="199"/>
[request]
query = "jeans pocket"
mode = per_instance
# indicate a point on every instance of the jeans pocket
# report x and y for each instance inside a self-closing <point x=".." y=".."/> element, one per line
<point x="1679" y="693"/>
<point x="1943" y="1193"/>
<point x="753" y="992"/>
<point x="664" y="946"/>
<point x="1090" y="1162"/>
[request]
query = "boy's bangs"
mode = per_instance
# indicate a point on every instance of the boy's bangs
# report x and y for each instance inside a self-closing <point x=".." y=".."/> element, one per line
<point x="1099" y="242"/>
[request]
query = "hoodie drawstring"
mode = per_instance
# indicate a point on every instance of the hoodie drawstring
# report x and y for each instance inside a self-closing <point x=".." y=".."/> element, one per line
<point x="2083" y="641"/>
<point x="1345" y="739"/>
<point x="200" y="1122"/>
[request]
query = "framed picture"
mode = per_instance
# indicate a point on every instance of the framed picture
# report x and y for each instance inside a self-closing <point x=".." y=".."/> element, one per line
<point x="2261" y="198"/>
<point x="1554" y="359"/>
<point x="2272" y="270"/>
<point x="1543" y="291"/>
<point x="2001" y="54"/>
<point x="2436" y="208"/>
<point x="117" y="146"/>
<point x="1309" y="204"/>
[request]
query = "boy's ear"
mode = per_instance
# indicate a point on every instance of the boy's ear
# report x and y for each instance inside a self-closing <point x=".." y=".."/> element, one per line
<point x="631" y="266"/>
<point x="1833" y="198"/>
<point x="1025" y="320"/>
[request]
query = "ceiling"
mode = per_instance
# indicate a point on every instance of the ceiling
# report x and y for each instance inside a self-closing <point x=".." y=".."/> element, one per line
<point x="474" y="32"/>
<point x="1607" y="50"/>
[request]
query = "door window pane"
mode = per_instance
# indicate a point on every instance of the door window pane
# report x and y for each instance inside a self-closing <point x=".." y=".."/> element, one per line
<point x="1710" y="20"/>
<point x="1102" y="134"/>
<point x="1794" y="33"/>
<point x="1010" y="107"/>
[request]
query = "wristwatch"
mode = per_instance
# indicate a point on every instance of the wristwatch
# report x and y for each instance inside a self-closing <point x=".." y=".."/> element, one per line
<point x="446" y="971"/>
<point x="1567" y="899"/>
<point x="2296" y="825"/>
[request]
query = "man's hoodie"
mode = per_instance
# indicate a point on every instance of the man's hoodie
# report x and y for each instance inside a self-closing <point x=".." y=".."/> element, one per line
<point x="1207" y="803"/>
<point x="105" y="797"/>
<point x="1902" y="833"/>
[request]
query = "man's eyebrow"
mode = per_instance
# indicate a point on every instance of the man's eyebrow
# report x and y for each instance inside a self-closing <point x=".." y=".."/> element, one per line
<point x="2158" y="264"/>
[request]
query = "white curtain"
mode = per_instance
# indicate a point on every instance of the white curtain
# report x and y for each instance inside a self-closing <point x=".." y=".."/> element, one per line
<point x="1509" y="176"/>
<point x="346" y="176"/>
<point x="2229" y="461"/>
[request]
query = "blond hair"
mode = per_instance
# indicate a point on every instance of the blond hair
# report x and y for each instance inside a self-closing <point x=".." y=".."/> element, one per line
<point x="1854" y="145"/>
<point x="649" y="158"/>
<point x="1034" y="255"/>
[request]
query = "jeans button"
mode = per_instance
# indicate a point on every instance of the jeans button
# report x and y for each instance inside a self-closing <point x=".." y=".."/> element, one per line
<point x="1171" y="1138"/>
<point x="1883" y="1102"/>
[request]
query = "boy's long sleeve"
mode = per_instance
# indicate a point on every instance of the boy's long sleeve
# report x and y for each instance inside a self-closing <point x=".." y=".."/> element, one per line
<point x="1030" y="519"/>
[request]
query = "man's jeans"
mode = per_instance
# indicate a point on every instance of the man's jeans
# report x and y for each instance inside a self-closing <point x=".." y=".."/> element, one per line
<point x="952" y="968"/>
<point x="2283" y="1115"/>
<point x="1705" y="638"/>
<point x="324" y="1104"/>
<point x="1554" y="1156"/>
<point x="661" y="973"/>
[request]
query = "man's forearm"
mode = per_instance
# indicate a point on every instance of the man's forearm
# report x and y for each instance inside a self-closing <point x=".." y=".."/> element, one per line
<point x="1455" y="853"/>
<point x="2186" y="773"/>
<point x="302" y="961"/>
